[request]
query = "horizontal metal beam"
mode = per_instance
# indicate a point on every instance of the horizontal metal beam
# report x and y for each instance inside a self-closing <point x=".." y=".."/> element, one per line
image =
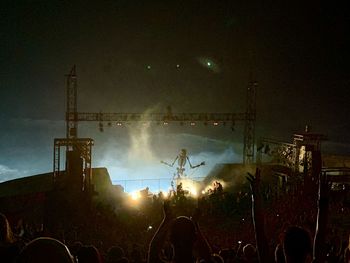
<point x="154" y="117"/>
<point x="272" y="141"/>
<point x="70" y="142"/>
<point x="344" y="178"/>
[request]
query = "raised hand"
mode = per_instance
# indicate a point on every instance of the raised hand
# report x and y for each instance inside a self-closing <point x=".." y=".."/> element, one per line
<point x="255" y="182"/>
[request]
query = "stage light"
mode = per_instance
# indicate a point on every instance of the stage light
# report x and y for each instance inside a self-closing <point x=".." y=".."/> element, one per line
<point x="100" y="126"/>
<point x="215" y="123"/>
<point x="192" y="123"/>
<point x="135" y="195"/>
<point x="194" y="193"/>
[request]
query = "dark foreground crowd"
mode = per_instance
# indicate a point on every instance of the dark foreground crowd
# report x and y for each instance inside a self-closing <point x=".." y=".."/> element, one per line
<point x="181" y="239"/>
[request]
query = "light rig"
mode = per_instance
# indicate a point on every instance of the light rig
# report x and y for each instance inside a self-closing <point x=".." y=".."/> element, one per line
<point x="78" y="150"/>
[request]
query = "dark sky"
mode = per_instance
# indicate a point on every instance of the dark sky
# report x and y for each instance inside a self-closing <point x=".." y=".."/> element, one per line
<point x="299" y="53"/>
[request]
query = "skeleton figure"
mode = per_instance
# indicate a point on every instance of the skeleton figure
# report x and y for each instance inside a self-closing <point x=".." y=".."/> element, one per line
<point x="181" y="160"/>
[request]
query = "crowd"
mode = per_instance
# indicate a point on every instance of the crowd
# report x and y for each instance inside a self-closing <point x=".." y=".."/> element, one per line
<point x="242" y="227"/>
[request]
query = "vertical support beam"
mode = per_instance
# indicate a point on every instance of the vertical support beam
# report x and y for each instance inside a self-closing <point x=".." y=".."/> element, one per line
<point x="71" y="107"/>
<point x="249" y="128"/>
<point x="56" y="158"/>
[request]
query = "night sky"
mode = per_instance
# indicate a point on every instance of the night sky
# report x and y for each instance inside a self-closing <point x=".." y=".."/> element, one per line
<point x="136" y="56"/>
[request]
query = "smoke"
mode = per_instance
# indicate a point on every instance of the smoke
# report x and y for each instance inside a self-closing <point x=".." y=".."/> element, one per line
<point x="135" y="163"/>
<point x="140" y="149"/>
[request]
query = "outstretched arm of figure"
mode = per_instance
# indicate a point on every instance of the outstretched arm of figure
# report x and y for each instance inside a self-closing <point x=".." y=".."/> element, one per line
<point x="194" y="166"/>
<point x="159" y="237"/>
<point x="168" y="164"/>
<point x="258" y="217"/>
<point x="322" y="218"/>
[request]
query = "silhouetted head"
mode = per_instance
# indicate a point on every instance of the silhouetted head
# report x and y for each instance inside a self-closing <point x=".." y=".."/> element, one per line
<point x="296" y="245"/>
<point x="89" y="254"/>
<point x="249" y="252"/>
<point x="45" y="249"/>
<point x="183" y="233"/>
<point x="75" y="248"/>
<point x="5" y="230"/>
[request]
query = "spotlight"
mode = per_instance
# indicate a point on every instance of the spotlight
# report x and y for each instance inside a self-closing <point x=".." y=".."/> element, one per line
<point x="233" y="126"/>
<point x="100" y="126"/>
<point x="192" y="123"/>
<point x="215" y="123"/>
<point x="135" y="195"/>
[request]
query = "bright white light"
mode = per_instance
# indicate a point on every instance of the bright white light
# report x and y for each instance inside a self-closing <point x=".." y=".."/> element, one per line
<point x="135" y="195"/>
<point x="208" y="64"/>
<point x="193" y="192"/>
<point x="215" y="123"/>
<point x="192" y="123"/>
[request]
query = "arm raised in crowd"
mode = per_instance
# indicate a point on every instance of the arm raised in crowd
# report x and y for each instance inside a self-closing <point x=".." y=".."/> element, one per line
<point x="319" y="253"/>
<point x="258" y="217"/>
<point x="202" y="246"/>
<point x="158" y="239"/>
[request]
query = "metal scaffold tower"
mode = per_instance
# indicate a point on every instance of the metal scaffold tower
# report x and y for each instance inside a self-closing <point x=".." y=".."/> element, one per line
<point x="249" y="127"/>
<point x="78" y="150"/>
<point x="71" y="110"/>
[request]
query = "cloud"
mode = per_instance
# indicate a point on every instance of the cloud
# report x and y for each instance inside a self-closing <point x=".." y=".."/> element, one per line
<point x="6" y="173"/>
